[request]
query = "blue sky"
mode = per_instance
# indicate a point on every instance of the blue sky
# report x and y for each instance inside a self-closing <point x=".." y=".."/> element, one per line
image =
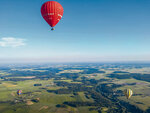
<point x="90" y="31"/>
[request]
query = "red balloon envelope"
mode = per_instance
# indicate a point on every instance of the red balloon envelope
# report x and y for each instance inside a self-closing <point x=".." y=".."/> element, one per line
<point x="52" y="12"/>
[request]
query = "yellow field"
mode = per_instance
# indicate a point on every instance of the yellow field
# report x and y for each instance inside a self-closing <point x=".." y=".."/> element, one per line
<point x="8" y="84"/>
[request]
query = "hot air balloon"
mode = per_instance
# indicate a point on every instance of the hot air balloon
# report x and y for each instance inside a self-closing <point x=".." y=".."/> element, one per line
<point x="52" y="12"/>
<point x="128" y="93"/>
<point x="19" y="92"/>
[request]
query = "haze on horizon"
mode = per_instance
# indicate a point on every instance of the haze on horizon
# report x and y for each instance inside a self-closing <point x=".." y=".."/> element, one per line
<point x="90" y="31"/>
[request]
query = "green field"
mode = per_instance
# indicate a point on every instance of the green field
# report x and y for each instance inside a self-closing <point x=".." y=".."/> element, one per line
<point x="141" y="92"/>
<point x="47" y="101"/>
<point x="73" y="90"/>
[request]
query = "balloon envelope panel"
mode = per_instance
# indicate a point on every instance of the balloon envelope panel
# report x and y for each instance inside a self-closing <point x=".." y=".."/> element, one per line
<point x="19" y="92"/>
<point x="128" y="93"/>
<point x="52" y="12"/>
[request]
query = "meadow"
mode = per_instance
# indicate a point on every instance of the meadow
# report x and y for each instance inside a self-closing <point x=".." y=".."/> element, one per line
<point x="73" y="89"/>
<point x="47" y="101"/>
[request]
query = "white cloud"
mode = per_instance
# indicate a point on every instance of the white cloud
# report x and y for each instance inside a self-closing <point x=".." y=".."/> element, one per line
<point x="12" y="42"/>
